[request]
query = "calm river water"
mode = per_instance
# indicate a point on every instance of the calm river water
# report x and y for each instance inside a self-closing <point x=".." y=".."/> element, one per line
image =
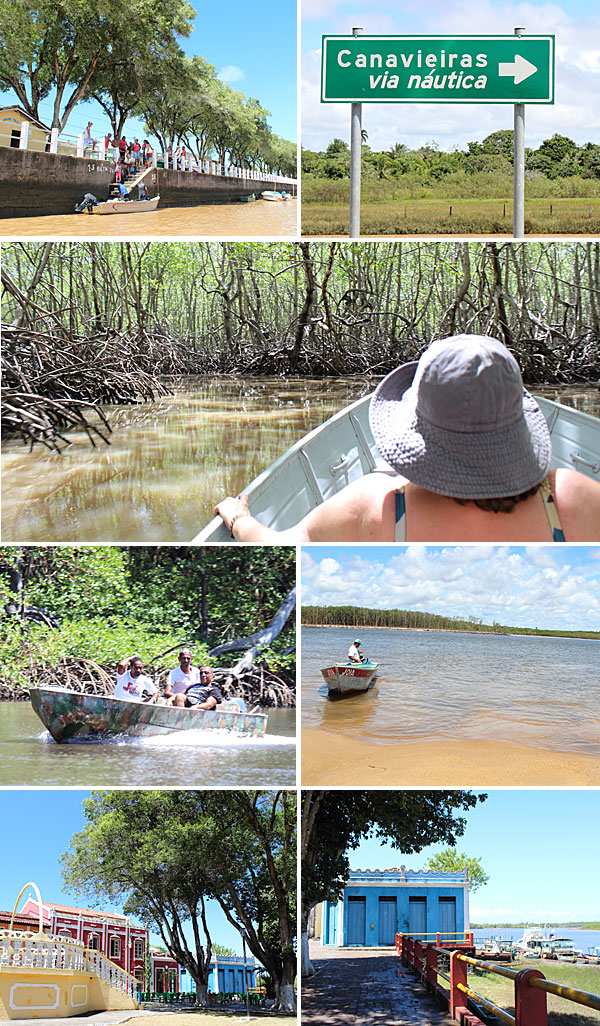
<point x="583" y="940"/>
<point x="222" y="220"/>
<point x="168" y="461"/>
<point x="29" y="756"/>
<point x="542" y="692"/>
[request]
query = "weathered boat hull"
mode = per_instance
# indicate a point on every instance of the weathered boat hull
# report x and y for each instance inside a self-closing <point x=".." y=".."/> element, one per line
<point x="69" y="714"/>
<point x="349" y="676"/>
<point x="275" y="197"/>
<point x="343" y="449"/>
<point x="119" y="206"/>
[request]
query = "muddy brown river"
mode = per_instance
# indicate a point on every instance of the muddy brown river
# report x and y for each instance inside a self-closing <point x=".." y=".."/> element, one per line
<point x="221" y="220"/>
<point x="170" y="461"/>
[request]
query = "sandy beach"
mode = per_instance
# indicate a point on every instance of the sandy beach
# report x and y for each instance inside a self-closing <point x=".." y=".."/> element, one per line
<point x="330" y="759"/>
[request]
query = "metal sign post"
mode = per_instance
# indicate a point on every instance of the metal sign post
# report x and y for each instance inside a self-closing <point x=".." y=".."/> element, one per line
<point x="355" y="161"/>
<point x="513" y="69"/>
<point x="519" y="165"/>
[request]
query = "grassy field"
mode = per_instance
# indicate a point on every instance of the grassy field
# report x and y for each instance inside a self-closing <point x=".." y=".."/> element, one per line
<point x="559" y="216"/>
<point x="560" y="1011"/>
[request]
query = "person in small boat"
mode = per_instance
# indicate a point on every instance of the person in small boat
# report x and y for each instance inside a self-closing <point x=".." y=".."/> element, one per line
<point x="142" y="192"/>
<point x="122" y="191"/>
<point x="132" y="683"/>
<point x="471" y="451"/>
<point x="355" y="653"/>
<point x="204" y="695"/>
<point x="180" y="679"/>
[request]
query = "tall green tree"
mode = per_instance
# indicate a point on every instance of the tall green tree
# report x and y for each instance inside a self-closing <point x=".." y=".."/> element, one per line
<point x="450" y="861"/>
<point x="60" y="47"/>
<point x="163" y="854"/>
<point x="335" y="822"/>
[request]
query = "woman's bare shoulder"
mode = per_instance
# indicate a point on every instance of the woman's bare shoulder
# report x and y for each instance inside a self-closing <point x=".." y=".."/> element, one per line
<point x="578" y="502"/>
<point x="356" y="513"/>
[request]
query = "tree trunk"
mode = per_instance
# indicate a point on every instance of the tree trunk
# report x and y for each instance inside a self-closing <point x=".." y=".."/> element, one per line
<point x="201" y="994"/>
<point x="286" y="1000"/>
<point x="306" y="966"/>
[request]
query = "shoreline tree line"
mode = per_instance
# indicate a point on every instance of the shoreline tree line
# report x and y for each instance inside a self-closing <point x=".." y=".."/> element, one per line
<point x="127" y="58"/>
<point x="410" y="619"/>
<point x="88" y="325"/>
<point x="483" y="167"/>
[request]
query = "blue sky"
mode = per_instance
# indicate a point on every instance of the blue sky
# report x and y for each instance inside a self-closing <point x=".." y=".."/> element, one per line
<point x="538" y="847"/>
<point x="38" y="826"/>
<point x="576" y="112"/>
<point x="254" y="52"/>
<point x="521" y="586"/>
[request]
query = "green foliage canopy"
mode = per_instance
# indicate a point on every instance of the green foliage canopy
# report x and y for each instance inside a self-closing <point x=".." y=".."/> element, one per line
<point x="449" y="861"/>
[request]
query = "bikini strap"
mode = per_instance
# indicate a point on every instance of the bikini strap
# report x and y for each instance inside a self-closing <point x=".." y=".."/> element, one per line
<point x="551" y="511"/>
<point x="400" y="531"/>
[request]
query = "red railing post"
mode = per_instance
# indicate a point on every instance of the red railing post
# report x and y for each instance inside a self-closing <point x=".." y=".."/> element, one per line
<point x="410" y="951"/>
<point x="469" y="939"/>
<point x="530" y="1003"/>
<point x="458" y="974"/>
<point x="399" y="944"/>
<point x="419" y="958"/>
<point x="431" y="971"/>
<point x="404" y="949"/>
<point x="437" y="940"/>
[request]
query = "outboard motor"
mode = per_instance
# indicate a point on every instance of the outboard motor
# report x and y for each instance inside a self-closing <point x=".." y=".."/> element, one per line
<point x="87" y="203"/>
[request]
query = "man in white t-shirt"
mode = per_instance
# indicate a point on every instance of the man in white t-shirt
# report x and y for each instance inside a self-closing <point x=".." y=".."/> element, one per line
<point x="355" y="654"/>
<point x="180" y="679"/>
<point x="133" y="685"/>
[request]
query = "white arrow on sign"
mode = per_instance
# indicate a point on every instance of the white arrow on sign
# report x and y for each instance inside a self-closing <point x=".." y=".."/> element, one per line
<point x="520" y="70"/>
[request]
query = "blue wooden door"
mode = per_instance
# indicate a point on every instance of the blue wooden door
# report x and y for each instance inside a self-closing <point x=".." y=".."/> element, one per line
<point x="417" y="916"/>
<point x="388" y="918"/>
<point x="332" y="921"/>
<point x="447" y="918"/>
<point x="357" y="918"/>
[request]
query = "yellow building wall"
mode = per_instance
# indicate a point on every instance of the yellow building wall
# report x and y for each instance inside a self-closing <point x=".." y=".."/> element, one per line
<point x="11" y="120"/>
<point x="56" y="993"/>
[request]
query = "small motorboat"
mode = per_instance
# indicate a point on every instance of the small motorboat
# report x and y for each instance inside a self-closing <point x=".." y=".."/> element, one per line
<point x="349" y="676"/>
<point x="274" y="196"/>
<point x="342" y="449"/>
<point x="123" y="206"/>
<point x="248" y="199"/>
<point x="75" y="715"/>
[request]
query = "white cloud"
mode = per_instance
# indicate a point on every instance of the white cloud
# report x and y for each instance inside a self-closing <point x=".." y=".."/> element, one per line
<point x="576" y="112"/>
<point x="524" y="587"/>
<point x="231" y="73"/>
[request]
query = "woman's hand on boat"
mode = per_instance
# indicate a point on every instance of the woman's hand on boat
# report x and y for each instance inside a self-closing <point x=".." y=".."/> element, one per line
<point x="231" y="508"/>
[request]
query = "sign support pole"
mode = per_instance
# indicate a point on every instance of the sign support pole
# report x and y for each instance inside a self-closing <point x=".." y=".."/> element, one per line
<point x="519" y="166"/>
<point x="355" y="161"/>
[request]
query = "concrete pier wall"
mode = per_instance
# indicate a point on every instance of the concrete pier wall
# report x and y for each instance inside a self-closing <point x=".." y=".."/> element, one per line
<point x="34" y="184"/>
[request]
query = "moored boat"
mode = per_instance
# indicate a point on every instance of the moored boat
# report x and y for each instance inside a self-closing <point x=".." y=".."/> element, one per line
<point x="121" y="206"/>
<point x="74" y="715"/>
<point x="349" y="676"/>
<point x="343" y="449"/>
<point x="273" y="196"/>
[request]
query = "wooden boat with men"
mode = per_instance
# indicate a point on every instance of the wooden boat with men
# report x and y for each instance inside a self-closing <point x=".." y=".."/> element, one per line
<point x="344" y="677"/>
<point x="73" y="715"/>
<point x="343" y="449"/>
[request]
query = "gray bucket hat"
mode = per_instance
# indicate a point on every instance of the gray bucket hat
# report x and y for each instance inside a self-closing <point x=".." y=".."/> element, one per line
<point x="459" y="422"/>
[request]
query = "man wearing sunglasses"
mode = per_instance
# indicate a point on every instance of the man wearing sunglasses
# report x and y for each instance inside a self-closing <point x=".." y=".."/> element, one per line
<point x="204" y="695"/>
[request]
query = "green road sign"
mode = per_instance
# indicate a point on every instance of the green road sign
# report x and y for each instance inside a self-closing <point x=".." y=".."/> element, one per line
<point x="437" y="69"/>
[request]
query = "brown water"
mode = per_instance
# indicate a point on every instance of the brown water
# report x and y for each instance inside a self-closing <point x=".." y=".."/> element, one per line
<point x="29" y="756"/>
<point x="222" y="220"/>
<point x="169" y="462"/>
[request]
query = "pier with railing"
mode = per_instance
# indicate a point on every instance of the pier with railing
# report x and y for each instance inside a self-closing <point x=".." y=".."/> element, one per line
<point x="442" y="965"/>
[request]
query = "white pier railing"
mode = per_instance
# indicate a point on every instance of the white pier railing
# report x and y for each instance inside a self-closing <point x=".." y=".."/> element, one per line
<point x="33" y="951"/>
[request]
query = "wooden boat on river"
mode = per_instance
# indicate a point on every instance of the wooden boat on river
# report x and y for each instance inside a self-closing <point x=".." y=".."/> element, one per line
<point x="343" y="449"/>
<point x="123" y="206"/>
<point x="349" y="676"/>
<point x="73" y="715"/>
<point x="274" y="196"/>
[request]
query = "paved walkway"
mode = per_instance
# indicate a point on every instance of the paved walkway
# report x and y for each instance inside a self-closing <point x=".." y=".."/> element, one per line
<point x="365" y="985"/>
<point x="96" y="1019"/>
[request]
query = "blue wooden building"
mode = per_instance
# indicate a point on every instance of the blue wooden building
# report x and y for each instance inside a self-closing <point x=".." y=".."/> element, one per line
<point x="226" y="975"/>
<point x="379" y="903"/>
